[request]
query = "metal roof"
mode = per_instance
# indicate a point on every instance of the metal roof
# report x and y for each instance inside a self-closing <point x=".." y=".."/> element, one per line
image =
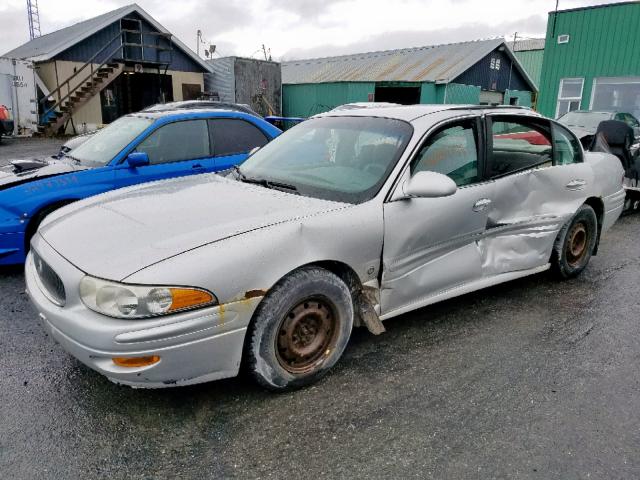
<point x="48" y="46"/>
<point x="526" y="45"/>
<point x="438" y="63"/>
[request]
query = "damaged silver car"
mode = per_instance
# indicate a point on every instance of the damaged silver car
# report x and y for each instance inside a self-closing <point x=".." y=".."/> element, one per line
<point x="350" y="218"/>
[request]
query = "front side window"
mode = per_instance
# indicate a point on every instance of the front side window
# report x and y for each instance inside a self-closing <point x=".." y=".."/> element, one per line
<point x="104" y="145"/>
<point x="186" y="140"/>
<point x="453" y="151"/>
<point x="570" y="95"/>
<point x="344" y="159"/>
<point x="518" y="145"/>
<point x="566" y="148"/>
<point x="231" y="136"/>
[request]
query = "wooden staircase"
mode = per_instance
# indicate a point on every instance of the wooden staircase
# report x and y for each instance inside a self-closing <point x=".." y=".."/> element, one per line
<point x="78" y="96"/>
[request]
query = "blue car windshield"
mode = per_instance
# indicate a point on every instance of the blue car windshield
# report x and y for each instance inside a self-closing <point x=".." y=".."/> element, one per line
<point x="345" y="159"/>
<point x="102" y="147"/>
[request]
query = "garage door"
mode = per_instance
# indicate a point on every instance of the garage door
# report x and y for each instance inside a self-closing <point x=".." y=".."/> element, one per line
<point x="616" y="93"/>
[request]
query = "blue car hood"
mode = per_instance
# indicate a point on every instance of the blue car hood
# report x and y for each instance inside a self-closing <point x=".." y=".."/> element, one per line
<point x="23" y="171"/>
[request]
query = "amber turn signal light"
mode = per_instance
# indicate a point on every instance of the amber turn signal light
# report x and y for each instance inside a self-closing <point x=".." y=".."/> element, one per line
<point x="132" y="362"/>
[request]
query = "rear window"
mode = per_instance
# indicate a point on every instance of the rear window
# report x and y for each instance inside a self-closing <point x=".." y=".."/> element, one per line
<point x="232" y="136"/>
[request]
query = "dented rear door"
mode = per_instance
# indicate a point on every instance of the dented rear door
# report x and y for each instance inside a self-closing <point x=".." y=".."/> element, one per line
<point x="540" y="181"/>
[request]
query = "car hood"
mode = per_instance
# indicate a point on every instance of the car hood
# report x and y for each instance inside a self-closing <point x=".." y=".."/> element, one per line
<point x="580" y="132"/>
<point x="119" y="233"/>
<point x="23" y="171"/>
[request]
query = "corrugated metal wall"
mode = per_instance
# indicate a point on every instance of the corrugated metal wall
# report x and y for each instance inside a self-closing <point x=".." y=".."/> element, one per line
<point x="304" y="100"/>
<point x="604" y="41"/>
<point x="222" y="79"/>
<point x="458" y="94"/>
<point x="531" y="61"/>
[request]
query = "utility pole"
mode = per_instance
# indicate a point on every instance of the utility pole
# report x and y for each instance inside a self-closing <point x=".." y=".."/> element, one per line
<point x="515" y="36"/>
<point x="198" y="40"/>
<point x="264" y="50"/>
<point x="34" y="19"/>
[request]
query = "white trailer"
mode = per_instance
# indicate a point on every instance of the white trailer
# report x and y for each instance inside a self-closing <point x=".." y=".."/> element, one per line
<point x="19" y="94"/>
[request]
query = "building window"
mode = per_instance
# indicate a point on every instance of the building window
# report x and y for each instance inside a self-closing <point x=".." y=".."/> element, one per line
<point x="494" y="64"/>
<point x="570" y="95"/>
<point x="616" y="94"/>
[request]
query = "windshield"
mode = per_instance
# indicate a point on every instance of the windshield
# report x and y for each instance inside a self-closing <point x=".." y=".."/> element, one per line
<point x="587" y="120"/>
<point x="335" y="158"/>
<point x="108" y="142"/>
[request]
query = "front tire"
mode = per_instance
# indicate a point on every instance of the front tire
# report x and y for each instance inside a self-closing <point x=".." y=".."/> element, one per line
<point x="300" y="329"/>
<point x="575" y="243"/>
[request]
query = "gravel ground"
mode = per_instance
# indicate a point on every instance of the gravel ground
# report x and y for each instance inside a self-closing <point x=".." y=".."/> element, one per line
<point x="531" y="379"/>
<point x="18" y="148"/>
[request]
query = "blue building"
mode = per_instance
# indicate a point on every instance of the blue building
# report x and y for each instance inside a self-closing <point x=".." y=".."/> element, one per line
<point x="95" y="71"/>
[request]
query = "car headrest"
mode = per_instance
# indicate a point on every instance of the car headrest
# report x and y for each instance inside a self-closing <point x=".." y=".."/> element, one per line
<point x="617" y="133"/>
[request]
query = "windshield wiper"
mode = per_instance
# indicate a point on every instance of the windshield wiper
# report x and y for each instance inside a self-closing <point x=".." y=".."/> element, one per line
<point x="77" y="160"/>
<point x="263" y="182"/>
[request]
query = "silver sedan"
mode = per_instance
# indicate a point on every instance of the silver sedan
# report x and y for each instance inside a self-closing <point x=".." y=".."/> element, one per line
<point x="349" y="219"/>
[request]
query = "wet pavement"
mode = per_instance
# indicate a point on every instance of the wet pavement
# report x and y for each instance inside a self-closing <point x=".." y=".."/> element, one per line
<point x="535" y="378"/>
<point x="35" y="147"/>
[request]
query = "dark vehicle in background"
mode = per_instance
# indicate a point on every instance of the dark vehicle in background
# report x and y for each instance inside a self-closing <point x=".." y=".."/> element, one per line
<point x="584" y="123"/>
<point x="6" y="124"/>
<point x="78" y="140"/>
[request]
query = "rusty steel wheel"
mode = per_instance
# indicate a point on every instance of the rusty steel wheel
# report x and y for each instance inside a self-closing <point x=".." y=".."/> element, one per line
<point x="305" y="335"/>
<point x="577" y="243"/>
<point x="300" y="329"/>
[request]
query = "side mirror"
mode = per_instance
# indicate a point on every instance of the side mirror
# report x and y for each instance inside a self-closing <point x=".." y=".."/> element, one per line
<point x="429" y="185"/>
<point x="137" y="159"/>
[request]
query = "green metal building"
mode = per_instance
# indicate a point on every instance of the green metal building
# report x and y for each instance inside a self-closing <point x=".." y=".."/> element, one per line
<point x="479" y="72"/>
<point x="592" y="60"/>
<point x="530" y="53"/>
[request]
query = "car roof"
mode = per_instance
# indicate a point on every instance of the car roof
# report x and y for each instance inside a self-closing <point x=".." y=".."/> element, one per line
<point x="410" y="113"/>
<point x="194" y="112"/>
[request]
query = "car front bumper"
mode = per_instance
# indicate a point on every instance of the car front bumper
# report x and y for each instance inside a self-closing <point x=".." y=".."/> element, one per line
<point x="193" y="347"/>
<point x="11" y="247"/>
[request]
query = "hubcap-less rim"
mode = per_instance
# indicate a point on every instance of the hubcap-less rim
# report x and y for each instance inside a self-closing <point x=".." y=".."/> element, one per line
<point x="577" y="244"/>
<point x="306" y="335"/>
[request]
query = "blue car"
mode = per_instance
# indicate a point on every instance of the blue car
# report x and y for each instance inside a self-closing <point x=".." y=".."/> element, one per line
<point x="137" y="148"/>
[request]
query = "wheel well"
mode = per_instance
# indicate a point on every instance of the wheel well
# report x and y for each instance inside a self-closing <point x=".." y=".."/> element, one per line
<point x="37" y="218"/>
<point x="341" y="270"/>
<point x="598" y="207"/>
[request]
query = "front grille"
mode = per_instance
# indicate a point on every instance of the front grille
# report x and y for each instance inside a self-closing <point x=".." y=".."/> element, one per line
<point x="52" y="286"/>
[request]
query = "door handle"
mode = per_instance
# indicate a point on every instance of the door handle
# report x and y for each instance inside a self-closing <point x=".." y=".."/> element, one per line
<point x="481" y="204"/>
<point x="576" y="184"/>
<point x="197" y="166"/>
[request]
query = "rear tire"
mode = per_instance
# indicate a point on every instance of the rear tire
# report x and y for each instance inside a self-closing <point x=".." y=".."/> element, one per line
<point x="575" y="243"/>
<point x="299" y="330"/>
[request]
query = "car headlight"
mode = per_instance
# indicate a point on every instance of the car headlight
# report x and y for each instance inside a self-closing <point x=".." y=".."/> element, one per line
<point x="121" y="300"/>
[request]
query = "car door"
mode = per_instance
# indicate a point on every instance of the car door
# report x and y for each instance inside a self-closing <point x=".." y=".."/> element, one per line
<point x="431" y="244"/>
<point x="540" y="182"/>
<point x="175" y="149"/>
<point x="232" y="139"/>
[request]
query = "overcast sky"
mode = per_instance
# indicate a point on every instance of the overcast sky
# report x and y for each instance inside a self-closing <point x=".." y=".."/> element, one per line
<point x="305" y="28"/>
